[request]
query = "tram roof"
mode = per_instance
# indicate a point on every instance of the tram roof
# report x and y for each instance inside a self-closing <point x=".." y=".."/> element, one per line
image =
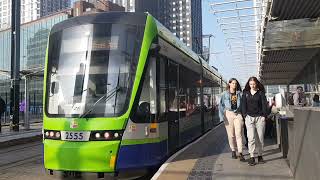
<point x="168" y="36"/>
<point x="130" y="18"/>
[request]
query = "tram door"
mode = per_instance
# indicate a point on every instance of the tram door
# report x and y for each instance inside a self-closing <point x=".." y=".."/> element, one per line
<point x="173" y="102"/>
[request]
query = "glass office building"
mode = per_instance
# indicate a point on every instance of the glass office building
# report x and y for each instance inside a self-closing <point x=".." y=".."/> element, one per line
<point x="48" y="7"/>
<point x="182" y="17"/>
<point x="34" y="37"/>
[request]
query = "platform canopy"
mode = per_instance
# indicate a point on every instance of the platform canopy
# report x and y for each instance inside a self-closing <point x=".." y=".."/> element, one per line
<point x="291" y="41"/>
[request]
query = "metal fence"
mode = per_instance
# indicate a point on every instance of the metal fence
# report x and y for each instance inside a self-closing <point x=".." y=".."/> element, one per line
<point x="35" y="94"/>
<point x="35" y="115"/>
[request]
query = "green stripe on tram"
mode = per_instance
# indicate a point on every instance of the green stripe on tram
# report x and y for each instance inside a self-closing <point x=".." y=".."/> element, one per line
<point x="126" y="142"/>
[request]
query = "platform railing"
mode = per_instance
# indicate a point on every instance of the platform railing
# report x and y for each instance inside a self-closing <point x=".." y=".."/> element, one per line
<point x="300" y="142"/>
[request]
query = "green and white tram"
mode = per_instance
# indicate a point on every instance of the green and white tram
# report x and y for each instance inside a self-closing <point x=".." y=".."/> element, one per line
<point x="121" y="92"/>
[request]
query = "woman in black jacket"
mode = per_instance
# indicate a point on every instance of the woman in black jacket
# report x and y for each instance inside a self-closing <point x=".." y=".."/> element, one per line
<point x="254" y="109"/>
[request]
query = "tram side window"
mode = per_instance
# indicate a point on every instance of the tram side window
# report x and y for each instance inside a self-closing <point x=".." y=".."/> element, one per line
<point x="162" y="89"/>
<point x="189" y="93"/>
<point x="172" y="81"/>
<point x="208" y="94"/>
<point x="146" y="107"/>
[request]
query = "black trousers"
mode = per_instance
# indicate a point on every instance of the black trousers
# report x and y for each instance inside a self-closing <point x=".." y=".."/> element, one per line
<point x="245" y="131"/>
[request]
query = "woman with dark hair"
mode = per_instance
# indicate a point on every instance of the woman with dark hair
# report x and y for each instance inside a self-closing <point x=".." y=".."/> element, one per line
<point x="316" y="102"/>
<point x="254" y="109"/>
<point x="229" y="112"/>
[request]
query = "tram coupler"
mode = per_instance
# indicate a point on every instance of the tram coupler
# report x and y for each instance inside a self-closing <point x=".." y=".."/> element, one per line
<point x="100" y="175"/>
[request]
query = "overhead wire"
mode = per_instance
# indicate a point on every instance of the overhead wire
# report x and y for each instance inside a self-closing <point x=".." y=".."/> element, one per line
<point x="231" y="16"/>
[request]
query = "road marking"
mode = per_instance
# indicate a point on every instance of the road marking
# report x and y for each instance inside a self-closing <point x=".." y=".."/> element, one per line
<point x="163" y="167"/>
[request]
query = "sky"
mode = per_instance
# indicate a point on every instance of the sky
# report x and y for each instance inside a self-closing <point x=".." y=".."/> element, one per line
<point x="221" y="58"/>
<point x="228" y="66"/>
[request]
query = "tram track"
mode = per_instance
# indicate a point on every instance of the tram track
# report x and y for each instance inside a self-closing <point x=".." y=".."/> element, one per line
<point x="13" y="148"/>
<point x="20" y="155"/>
<point x="20" y="162"/>
<point x="31" y="155"/>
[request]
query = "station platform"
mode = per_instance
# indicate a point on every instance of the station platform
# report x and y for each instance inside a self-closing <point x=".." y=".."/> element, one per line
<point x="10" y="138"/>
<point x="209" y="157"/>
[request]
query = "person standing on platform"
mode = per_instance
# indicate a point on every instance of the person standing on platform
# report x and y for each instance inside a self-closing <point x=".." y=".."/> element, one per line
<point x="316" y="102"/>
<point x="299" y="98"/>
<point x="3" y="108"/>
<point x="229" y="112"/>
<point x="254" y="109"/>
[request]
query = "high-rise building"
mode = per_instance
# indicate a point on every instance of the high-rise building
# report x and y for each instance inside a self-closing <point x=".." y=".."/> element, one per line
<point x="30" y="10"/>
<point x="83" y="7"/>
<point x="182" y="17"/>
<point x="196" y="24"/>
<point x="52" y="6"/>
<point x="129" y="5"/>
<point x="160" y="9"/>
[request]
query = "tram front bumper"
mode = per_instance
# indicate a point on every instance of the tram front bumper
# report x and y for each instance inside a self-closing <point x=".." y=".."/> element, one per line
<point x="91" y="156"/>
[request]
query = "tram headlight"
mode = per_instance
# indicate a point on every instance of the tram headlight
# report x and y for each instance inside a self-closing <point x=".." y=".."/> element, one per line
<point x="97" y="135"/>
<point x="52" y="134"/>
<point x="116" y="135"/>
<point x="107" y="135"/>
<point x="58" y="134"/>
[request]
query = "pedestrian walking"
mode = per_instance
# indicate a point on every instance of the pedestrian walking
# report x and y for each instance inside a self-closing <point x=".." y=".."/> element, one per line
<point x="229" y="112"/>
<point x="2" y="109"/>
<point x="254" y="109"/>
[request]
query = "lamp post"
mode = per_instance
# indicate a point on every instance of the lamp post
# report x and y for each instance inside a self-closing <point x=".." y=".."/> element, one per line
<point x="201" y="53"/>
<point x="15" y="65"/>
<point x="208" y="36"/>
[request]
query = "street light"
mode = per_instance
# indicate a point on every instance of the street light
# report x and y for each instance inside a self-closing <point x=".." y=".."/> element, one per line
<point x="208" y="36"/>
<point x="15" y="64"/>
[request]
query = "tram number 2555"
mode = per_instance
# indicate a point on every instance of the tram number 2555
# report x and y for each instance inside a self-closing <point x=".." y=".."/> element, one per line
<point x="74" y="136"/>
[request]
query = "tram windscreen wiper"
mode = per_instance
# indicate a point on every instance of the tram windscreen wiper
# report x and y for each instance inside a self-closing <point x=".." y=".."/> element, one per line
<point x="106" y="96"/>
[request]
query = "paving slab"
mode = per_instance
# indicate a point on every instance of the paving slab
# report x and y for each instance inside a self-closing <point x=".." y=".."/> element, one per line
<point x="210" y="158"/>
